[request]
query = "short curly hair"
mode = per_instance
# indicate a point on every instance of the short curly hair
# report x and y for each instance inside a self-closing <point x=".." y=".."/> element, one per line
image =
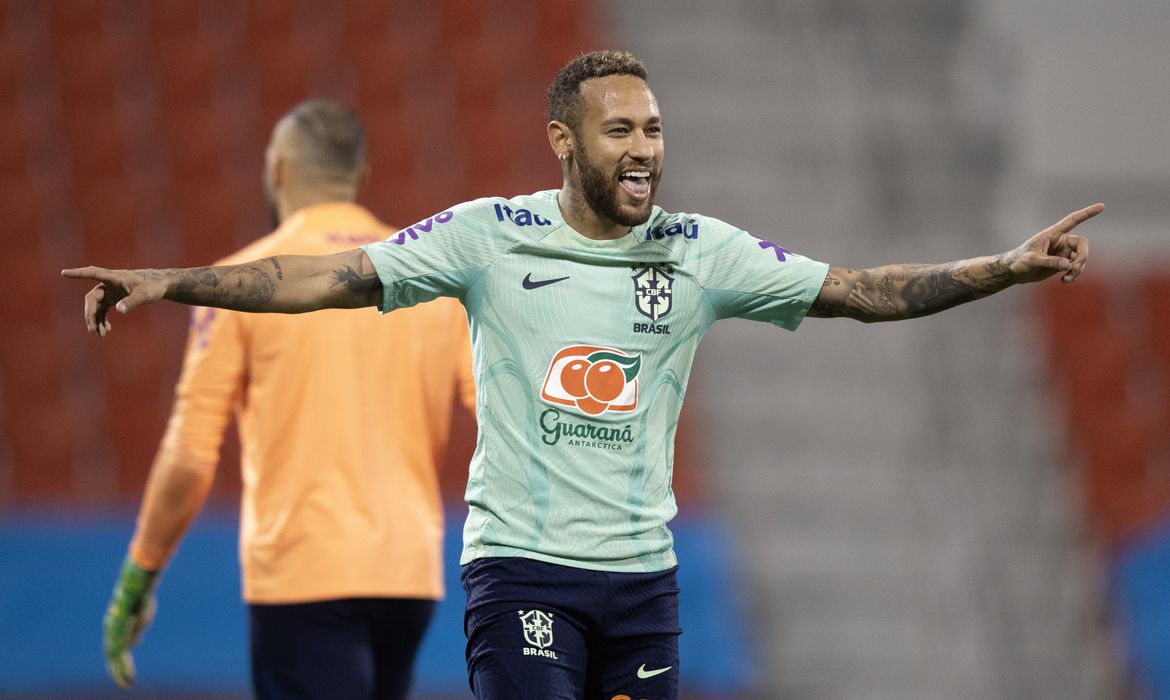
<point x="564" y="95"/>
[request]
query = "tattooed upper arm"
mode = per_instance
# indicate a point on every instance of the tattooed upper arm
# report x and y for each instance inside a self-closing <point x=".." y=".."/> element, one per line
<point x="355" y="280"/>
<point x="830" y="303"/>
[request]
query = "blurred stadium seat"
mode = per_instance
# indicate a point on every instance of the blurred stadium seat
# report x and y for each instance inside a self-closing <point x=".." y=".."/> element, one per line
<point x="111" y="212"/>
<point x="1126" y="468"/>
<point x="208" y="214"/>
<point x="71" y="20"/>
<point x="196" y="140"/>
<point x="97" y="144"/>
<point x="37" y="414"/>
<point x="1155" y="297"/>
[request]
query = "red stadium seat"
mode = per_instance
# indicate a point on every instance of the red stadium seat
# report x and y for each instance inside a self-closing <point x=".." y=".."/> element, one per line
<point x="387" y="70"/>
<point x="39" y="431"/>
<point x="10" y="75"/>
<point x="285" y="66"/>
<point x="70" y="20"/>
<point x="140" y="360"/>
<point x="267" y="19"/>
<point x="507" y="149"/>
<point x="489" y="72"/>
<point x="1125" y="465"/>
<point x="1100" y="373"/>
<point x="97" y="145"/>
<point x="565" y="28"/>
<point x="14" y="146"/>
<point x="1065" y="312"/>
<point x="189" y="70"/>
<point x="460" y="20"/>
<point x="88" y="72"/>
<point x="208" y="213"/>
<point x="111" y="213"/>
<point x="38" y="423"/>
<point x="173" y="20"/>
<point x="23" y="205"/>
<point x="366" y="21"/>
<point x="197" y="144"/>
<point x="1155" y="293"/>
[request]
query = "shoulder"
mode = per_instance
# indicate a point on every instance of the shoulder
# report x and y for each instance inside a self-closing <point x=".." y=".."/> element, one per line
<point x="531" y="213"/>
<point x="686" y="229"/>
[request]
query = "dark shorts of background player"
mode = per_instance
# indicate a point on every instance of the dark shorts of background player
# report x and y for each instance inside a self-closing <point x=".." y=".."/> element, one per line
<point x="546" y="632"/>
<point x="349" y="648"/>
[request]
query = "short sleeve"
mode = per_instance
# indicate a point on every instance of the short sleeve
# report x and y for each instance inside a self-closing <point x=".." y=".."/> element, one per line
<point x="748" y="277"/>
<point x="442" y="255"/>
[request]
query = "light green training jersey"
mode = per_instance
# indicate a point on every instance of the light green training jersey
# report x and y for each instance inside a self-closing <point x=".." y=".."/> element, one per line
<point x="582" y="350"/>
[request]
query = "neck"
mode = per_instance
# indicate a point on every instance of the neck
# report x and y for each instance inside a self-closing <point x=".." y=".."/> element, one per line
<point x="293" y="199"/>
<point x="582" y="217"/>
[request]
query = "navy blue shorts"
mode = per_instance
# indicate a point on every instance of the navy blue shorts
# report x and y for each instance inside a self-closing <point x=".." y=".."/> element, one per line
<point x="350" y="648"/>
<point x="548" y="632"/>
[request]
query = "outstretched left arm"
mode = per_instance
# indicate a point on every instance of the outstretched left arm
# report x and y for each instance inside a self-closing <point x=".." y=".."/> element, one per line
<point x="895" y="292"/>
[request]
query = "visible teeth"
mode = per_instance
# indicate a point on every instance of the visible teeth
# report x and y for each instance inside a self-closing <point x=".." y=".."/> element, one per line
<point x="636" y="173"/>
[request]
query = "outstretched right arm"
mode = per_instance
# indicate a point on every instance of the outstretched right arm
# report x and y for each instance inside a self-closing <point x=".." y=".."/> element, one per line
<point x="289" y="284"/>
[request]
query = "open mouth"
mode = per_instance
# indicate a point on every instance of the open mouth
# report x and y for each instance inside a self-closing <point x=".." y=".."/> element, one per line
<point x="636" y="183"/>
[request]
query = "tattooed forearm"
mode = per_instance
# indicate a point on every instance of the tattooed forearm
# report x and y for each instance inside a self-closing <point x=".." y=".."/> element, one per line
<point x="276" y="264"/>
<point x="239" y="287"/>
<point x="933" y="288"/>
<point x="894" y="292"/>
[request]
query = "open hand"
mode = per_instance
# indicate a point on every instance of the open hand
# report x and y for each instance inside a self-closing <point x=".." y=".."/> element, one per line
<point x="1054" y="250"/>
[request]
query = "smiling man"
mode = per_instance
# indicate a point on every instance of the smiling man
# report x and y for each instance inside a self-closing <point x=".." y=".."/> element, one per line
<point x="586" y="306"/>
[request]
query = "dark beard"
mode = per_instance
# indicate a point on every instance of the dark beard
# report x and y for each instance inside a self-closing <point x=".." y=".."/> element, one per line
<point x="600" y="190"/>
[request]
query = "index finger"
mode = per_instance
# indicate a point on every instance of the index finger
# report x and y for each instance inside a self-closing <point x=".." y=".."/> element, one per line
<point x="84" y="273"/>
<point x="1079" y="217"/>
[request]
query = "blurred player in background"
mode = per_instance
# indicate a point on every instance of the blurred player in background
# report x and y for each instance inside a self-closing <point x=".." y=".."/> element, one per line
<point x="343" y="418"/>
<point x="586" y="304"/>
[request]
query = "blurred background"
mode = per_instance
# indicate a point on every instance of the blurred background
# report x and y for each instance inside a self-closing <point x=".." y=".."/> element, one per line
<point x="974" y="505"/>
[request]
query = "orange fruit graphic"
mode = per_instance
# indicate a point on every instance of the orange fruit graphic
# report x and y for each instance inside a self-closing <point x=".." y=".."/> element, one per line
<point x="591" y="406"/>
<point x="573" y="377"/>
<point x="605" y="380"/>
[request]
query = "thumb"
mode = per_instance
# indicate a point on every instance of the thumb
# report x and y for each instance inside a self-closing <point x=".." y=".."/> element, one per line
<point x="1051" y="262"/>
<point x="133" y="300"/>
<point x="121" y="669"/>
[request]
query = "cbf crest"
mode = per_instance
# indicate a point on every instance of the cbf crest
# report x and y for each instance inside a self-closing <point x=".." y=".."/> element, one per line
<point x="653" y="292"/>
<point x="537" y="628"/>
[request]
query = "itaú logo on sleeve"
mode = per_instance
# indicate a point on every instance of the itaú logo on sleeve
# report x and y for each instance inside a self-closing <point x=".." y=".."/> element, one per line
<point x="593" y="379"/>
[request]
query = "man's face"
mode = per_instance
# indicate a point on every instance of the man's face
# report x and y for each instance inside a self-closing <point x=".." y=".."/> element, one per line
<point x="619" y="148"/>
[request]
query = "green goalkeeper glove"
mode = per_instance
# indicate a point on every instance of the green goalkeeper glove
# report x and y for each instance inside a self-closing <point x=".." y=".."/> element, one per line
<point x="130" y="612"/>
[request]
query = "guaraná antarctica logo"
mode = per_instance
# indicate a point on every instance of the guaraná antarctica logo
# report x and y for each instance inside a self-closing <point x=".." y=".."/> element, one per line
<point x="593" y="380"/>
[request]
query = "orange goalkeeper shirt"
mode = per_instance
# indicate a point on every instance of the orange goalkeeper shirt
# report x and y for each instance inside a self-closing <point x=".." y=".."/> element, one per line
<point x="343" y="417"/>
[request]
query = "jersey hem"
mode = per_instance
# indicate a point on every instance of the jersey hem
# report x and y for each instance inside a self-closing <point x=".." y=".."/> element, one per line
<point x="643" y="564"/>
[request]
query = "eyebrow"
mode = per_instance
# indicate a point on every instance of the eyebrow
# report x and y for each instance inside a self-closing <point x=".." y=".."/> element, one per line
<point x="626" y="121"/>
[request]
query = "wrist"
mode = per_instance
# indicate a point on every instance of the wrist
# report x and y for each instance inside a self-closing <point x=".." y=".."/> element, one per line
<point x="1005" y="265"/>
<point x="138" y="577"/>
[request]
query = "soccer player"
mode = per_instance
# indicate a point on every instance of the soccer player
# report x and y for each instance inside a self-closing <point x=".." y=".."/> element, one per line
<point x="342" y="418"/>
<point x="586" y="305"/>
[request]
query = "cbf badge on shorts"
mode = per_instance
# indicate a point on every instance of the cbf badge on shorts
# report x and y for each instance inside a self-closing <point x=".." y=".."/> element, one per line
<point x="538" y="632"/>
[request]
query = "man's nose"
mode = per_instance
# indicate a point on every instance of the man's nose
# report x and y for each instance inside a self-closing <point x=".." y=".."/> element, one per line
<point x="640" y="147"/>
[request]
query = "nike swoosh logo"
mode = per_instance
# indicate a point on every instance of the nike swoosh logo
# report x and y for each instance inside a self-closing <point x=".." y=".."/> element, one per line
<point x="643" y="673"/>
<point x="529" y="283"/>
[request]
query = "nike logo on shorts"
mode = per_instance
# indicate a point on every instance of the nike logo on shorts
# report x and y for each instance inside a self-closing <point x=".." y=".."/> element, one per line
<point x="643" y="673"/>
<point x="530" y="283"/>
